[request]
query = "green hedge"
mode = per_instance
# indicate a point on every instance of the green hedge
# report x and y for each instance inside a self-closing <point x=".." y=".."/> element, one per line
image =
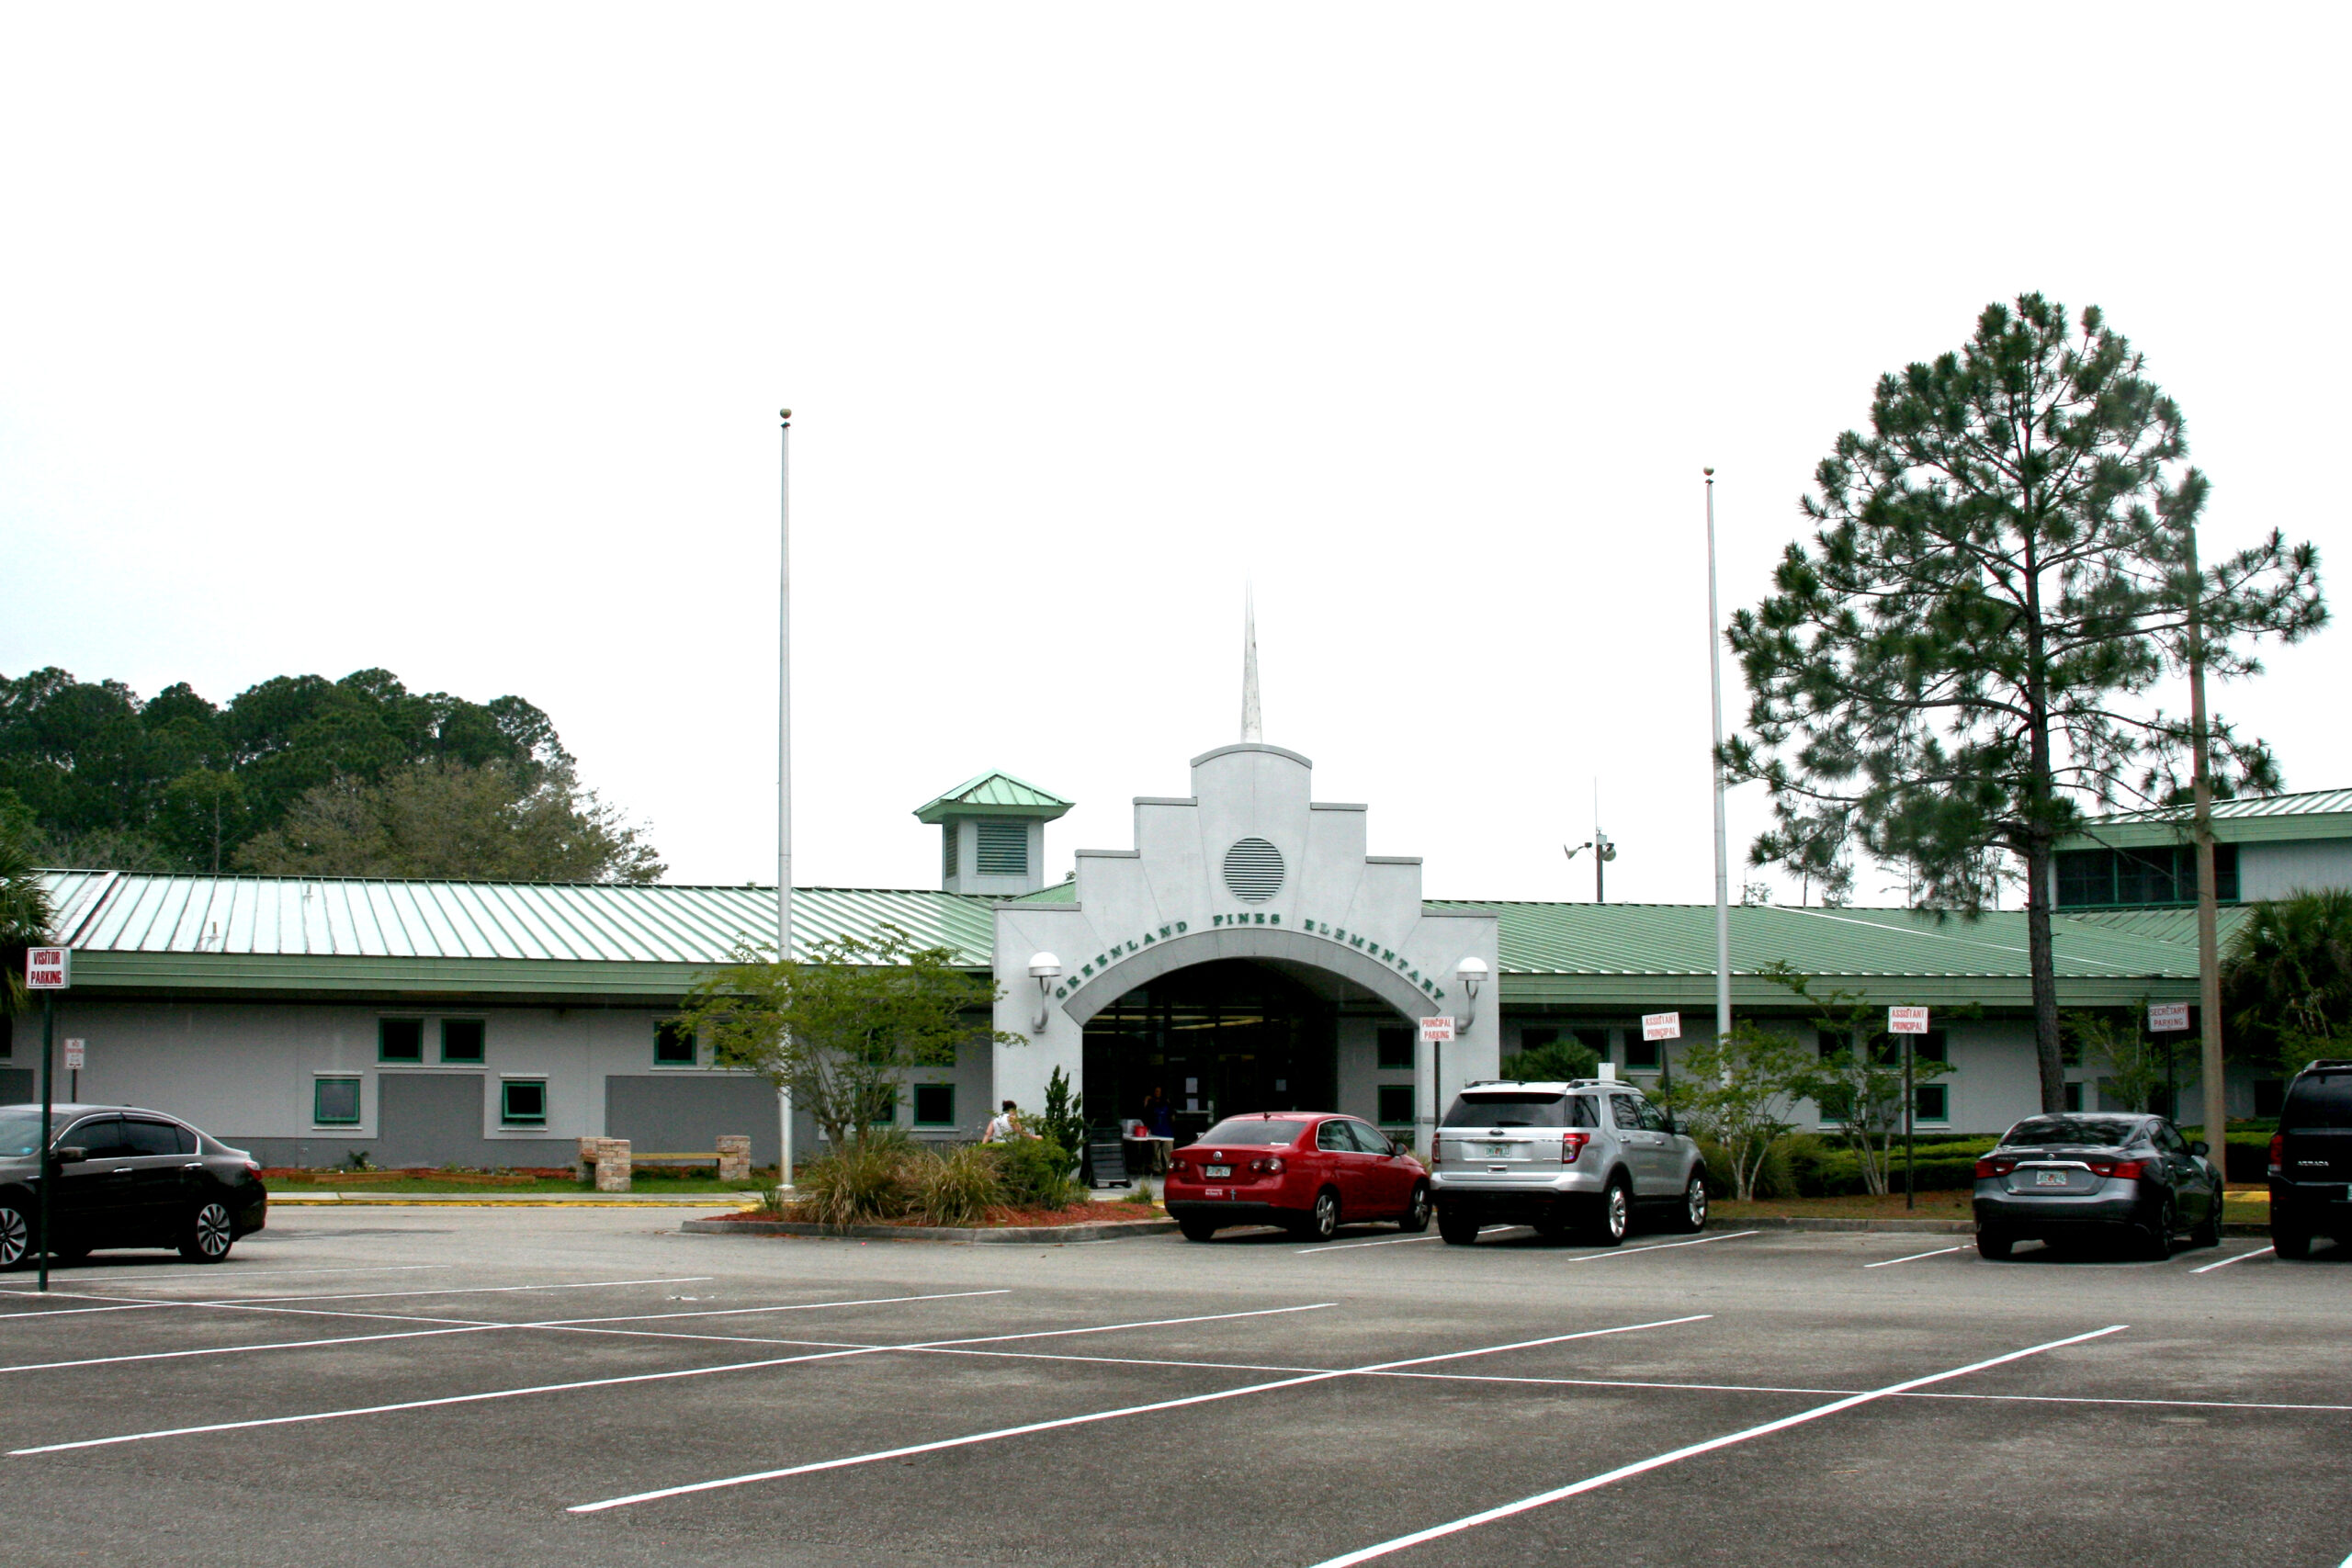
<point x="1805" y="1164"/>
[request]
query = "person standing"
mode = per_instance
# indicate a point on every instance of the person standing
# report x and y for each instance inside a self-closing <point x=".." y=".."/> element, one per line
<point x="1004" y="1126"/>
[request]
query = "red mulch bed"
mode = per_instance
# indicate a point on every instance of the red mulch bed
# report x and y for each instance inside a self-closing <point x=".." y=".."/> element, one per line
<point x="1082" y="1213"/>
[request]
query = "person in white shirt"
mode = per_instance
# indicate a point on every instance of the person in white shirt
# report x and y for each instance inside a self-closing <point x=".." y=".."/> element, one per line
<point x="1004" y="1126"/>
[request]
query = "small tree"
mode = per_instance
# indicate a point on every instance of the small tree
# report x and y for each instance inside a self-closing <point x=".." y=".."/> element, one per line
<point x="25" y="912"/>
<point x="842" y="1028"/>
<point x="2287" y="978"/>
<point x="2138" y="1066"/>
<point x="1858" y="1082"/>
<point x="1063" y="1121"/>
<point x="1740" y="1090"/>
<point x="1999" y="577"/>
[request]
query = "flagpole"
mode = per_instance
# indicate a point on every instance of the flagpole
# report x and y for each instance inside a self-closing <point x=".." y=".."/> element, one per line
<point x="1722" y="853"/>
<point x="784" y="764"/>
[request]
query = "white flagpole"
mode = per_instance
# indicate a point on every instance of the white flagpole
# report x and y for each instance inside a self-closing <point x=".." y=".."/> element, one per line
<point x="1722" y="853"/>
<point x="783" y="764"/>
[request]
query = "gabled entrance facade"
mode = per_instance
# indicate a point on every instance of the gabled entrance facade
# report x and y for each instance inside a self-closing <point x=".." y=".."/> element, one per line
<point x="1246" y="954"/>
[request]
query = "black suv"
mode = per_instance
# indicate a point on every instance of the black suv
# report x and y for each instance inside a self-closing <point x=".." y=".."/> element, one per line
<point x="2310" y="1160"/>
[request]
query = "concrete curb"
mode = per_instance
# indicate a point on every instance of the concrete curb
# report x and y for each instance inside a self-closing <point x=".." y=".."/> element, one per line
<point x="1910" y="1227"/>
<point x="1108" y="1230"/>
<point x="505" y="1200"/>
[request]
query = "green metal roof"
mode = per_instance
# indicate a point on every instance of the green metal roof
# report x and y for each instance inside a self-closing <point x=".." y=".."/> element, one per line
<point x="994" y="795"/>
<point x="2253" y="819"/>
<point x="1630" y="955"/>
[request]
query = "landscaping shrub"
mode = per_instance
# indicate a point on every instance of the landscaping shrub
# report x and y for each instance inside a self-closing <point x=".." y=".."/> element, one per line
<point x="1035" y="1173"/>
<point x="858" y="1184"/>
<point x="956" y="1188"/>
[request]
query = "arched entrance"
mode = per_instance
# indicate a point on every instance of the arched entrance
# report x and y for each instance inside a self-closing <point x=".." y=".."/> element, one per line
<point x="1226" y="1036"/>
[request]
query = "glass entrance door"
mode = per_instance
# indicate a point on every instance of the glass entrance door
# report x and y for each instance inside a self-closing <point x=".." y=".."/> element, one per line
<point x="1220" y="1039"/>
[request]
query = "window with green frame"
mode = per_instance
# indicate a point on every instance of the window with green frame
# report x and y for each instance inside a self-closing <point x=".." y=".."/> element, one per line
<point x="335" y="1102"/>
<point x="1395" y="1105"/>
<point x="523" y="1102"/>
<point x="935" y="1105"/>
<point x="1396" y="1049"/>
<point x="399" y="1040"/>
<point x="887" y="1115"/>
<point x="1933" y="1102"/>
<point x="674" y="1043"/>
<point x="461" y="1040"/>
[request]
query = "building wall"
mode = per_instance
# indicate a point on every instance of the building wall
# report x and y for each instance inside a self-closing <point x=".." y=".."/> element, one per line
<point x="246" y="1071"/>
<point x="2276" y="870"/>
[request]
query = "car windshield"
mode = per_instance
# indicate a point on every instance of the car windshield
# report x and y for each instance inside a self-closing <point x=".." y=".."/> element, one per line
<point x="1523" y="1108"/>
<point x="2322" y="1101"/>
<point x="2095" y="1130"/>
<point x="19" y="1133"/>
<point x="1254" y="1130"/>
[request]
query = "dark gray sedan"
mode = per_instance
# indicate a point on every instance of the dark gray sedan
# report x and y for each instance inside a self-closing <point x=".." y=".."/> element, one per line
<point x="2085" y="1174"/>
<point x="123" y="1176"/>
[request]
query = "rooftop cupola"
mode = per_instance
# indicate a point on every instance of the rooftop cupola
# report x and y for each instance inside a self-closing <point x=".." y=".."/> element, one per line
<point x="993" y="834"/>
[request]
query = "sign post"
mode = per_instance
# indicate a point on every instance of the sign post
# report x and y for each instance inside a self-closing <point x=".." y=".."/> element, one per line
<point x="74" y="1051"/>
<point x="2169" y="1018"/>
<point x="46" y="969"/>
<point x="1435" y="1033"/>
<point x="1909" y="1021"/>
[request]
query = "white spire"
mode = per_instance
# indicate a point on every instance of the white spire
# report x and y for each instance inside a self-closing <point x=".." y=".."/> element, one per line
<point x="1251" y="727"/>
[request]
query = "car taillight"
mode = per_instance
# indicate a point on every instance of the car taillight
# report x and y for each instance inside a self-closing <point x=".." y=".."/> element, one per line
<point x="1271" y="1164"/>
<point x="1988" y="1168"/>
<point x="2277" y="1154"/>
<point x="2122" y="1169"/>
<point x="1572" y="1145"/>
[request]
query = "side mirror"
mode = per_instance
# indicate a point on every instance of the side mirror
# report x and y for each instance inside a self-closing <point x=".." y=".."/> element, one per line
<point x="2198" y="1147"/>
<point x="72" y="1155"/>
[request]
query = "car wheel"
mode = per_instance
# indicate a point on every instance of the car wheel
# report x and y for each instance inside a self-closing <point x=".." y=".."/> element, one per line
<point x="1457" y="1225"/>
<point x="2289" y="1242"/>
<point x="2208" y="1231"/>
<point x="1692" y="1216"/>
<point x="1323" y="1220"/>
<point x="1994" y="1244"/>
<point x="2155" y="1241"/>
<point x="1612" y="1214"/>
<point x="16" y="1236"/>
<point x="1417" y="1215"/>
<point x="209" y="1234"/>
<point x="1196" y="1229"/>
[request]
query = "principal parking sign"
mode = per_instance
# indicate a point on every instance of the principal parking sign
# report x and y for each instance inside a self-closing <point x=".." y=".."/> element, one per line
<point x="49" y="968"/>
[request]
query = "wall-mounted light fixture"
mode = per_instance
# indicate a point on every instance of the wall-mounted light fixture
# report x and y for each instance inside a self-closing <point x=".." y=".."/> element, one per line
<point x="1044" y="969"/>
<point x="1473" y="973"/>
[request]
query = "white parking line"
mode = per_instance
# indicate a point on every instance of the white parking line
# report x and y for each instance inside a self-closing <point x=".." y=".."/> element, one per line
<point x="1675" y="1456"/>
<point x="1891" y="1262"/>
<point x="1345" y="1246"/>
<point x="464" y="1327"/>
<point x="1095" y="1416"/>
<point x="616" y="1381"/>
<point x="218" y="1275"/>
<point x="1658" y="1247"/>
<point x="135" y="1306"/>
<point x="2225" y="1262"/>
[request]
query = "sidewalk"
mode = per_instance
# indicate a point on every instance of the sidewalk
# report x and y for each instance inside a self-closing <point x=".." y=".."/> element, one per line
<point x="308" y="1198"/>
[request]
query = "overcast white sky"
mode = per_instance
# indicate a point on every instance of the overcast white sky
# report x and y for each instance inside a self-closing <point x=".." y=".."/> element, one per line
<point x="449" y="339"/>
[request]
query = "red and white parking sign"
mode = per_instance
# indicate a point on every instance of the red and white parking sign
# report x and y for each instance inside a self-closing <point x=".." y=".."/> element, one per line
<point x="1661" y="1026"/>
<point x="1436" y="1030"/>
<point x="2168" y="1018"/>
<point x="1906" y="1020"/>
<point x="49" y="968"/>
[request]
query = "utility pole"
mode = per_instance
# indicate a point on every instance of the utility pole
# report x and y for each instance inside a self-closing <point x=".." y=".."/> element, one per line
<point x="783" y="764"/>
<point x="2208" y="946"/>
<point x="1715" y="766"/>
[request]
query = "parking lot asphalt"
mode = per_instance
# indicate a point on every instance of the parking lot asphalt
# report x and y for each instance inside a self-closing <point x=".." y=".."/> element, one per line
<point x="582" y="1388"/>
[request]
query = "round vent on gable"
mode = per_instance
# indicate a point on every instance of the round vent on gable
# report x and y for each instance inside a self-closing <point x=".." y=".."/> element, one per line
<point x="1254" y="869"/>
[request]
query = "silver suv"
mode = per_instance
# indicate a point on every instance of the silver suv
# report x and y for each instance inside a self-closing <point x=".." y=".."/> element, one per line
<point x="1563" y="1156"/>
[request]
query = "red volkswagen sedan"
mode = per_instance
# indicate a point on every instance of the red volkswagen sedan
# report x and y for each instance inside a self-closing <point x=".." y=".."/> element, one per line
<point x="1306" y="1170"/>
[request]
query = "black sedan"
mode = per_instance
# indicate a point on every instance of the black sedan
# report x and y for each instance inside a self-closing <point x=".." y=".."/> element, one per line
<point x="2081" y="1175"/>
<point x="123" y="1176"/>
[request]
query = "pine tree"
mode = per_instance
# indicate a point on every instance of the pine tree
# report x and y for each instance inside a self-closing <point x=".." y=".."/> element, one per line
<point x="1966" y="655"/>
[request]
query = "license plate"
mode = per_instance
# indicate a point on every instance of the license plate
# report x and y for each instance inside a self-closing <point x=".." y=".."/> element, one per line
<point x="2050" y="1179"/>
<point x="1499" y="1151"/>
<point x="1217" y="1170"/>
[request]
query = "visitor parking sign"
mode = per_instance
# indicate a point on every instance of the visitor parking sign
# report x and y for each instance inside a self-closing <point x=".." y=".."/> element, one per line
<point x="49" y="968"/>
